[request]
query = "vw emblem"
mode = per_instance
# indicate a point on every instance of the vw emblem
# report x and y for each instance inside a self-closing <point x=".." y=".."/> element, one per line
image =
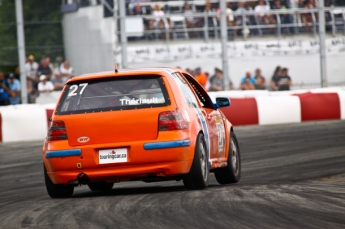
<point x="83" y="139"/>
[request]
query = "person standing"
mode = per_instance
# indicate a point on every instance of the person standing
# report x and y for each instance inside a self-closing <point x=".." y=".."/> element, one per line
<point x="31" y="68"/>
<point x="201" y="77"/>
<point x="14" y="86"/>
<point x="45" y="67"/>
<point x="216" y="82"/>
<point x="4" y="91"/>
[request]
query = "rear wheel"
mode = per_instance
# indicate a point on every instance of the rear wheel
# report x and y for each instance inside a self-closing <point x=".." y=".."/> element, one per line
<point x="100" y="186"/>
<point x="57" y="190"/>
<point x="197" y="178"/>
<point x="232" y="172"/>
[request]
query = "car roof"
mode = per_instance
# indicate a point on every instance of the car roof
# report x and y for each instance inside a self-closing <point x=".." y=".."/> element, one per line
<point x="126" y="72"/>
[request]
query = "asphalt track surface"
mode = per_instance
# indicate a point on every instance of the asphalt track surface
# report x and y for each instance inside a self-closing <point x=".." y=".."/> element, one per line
<point x="293" y="176"/>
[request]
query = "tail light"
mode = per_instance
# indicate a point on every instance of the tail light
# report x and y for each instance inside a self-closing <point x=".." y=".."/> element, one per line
<point x="171" y="120"/>
<point x="57" y="131"/>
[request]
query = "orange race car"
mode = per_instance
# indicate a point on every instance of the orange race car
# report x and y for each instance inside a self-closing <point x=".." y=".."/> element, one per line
<point x="150" y="124"/>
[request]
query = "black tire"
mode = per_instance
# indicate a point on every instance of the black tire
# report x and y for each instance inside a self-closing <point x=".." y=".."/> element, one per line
<point x="100" y="186"/>
<point x="197" y="178"/>
<point x="232" y="172"/>
<point x="57" y="190"/>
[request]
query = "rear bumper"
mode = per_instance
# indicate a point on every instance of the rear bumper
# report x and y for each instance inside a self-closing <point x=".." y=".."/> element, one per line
<point x="123" y="173"/>
<point x="145" y="158"/>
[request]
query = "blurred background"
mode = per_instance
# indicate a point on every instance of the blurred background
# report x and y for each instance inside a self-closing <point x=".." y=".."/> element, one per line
<point x="92" y="34"/>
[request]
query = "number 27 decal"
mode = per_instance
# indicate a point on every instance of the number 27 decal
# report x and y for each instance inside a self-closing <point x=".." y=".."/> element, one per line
<point x="75" y="87"/>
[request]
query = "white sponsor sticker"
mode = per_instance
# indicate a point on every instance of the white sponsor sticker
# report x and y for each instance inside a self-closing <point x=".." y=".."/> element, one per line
<point x="108" y="156"/>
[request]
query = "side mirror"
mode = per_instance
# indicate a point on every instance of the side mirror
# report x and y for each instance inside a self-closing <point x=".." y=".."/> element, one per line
<point x="223" y="102"/>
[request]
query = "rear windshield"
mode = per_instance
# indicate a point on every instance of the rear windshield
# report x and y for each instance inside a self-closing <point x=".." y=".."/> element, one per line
<point x="113" y="94"/>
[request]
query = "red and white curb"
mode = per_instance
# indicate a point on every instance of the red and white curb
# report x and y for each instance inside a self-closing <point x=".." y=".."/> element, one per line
<point x="30" y="122"/>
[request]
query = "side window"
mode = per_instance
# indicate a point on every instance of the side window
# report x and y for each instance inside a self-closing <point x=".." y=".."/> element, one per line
<point x="200" y="92"/>
<point x="186" y="91"/>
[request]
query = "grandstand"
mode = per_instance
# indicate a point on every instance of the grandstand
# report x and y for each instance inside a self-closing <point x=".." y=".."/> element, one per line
<point x="165" y="37"/>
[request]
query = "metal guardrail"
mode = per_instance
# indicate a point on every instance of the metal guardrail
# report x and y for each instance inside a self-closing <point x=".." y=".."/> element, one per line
<point x="210" y="29"/>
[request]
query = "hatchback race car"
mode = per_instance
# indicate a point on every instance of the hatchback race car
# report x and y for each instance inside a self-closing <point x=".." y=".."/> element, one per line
<point x="151" y="124"/>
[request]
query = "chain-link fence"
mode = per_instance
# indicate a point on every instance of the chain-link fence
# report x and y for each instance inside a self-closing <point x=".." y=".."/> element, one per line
<point x="42" y="30"/>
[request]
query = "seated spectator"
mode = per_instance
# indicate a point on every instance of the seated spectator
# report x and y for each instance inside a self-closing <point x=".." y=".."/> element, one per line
<point x="307" y="18"/>
<point x="208" y="9"/>
<point x="216" y="81"/>
<point x="263" y="13"/>
<point x="230" y="19"/>
<point x="243" y="18"/>
<point x="284" y="82"/>
<point x="45" y="85"/>
<point x="191" y="21"/>
<point x="14" y="86"/>
<point x="157" y="22"/>
<point x="4" y="91"/>
<point x="275" y="78"/>
<point x="247" y="82"/>
<point x="200" y="77"/>
<point x="138" y="10"/>
<point x="260" y="82"/>
<point x="188" y="13"/>
<point x="284" y="18"/>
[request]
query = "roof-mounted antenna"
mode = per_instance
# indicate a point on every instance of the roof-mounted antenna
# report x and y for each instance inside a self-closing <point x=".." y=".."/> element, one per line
<point x="115" y="67"/>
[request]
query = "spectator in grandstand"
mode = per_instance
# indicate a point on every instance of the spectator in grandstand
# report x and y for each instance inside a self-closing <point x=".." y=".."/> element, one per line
<point x="4" y="91"/>
<point x="188" y="13"/>
<point x="307" y="18"/>
<point x="284" y="82"/>
<point x="216" y="81"/>
<point x="137" y="10"/>
<point x="300" y="3"/>
<point x="191" y="21"/>
<point x="284" y="18"/>
<point x="14" y="86"/>
<point x="229" y="17"/>
<point x="260" y="82"/>
<point x="208" y="9"/>
<point x="45" y="67"/>
<point x="44" y="85"/>
<point x="247" y="82"/>
<point x="157" y="22"/>
<point x="275" y="78"/>
<point x="241" y="17"/>
<point x="263" y="13"/>
<point x="201" y="77"/>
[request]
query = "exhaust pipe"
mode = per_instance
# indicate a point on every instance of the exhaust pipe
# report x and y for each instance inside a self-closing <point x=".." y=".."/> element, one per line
<point x="83" y="179"/>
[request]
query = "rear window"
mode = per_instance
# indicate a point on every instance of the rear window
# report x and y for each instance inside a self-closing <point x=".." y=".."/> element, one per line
<point x="123" y="93"/>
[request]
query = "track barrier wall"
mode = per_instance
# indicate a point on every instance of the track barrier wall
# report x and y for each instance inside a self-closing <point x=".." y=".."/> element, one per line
<point x="30" y="122"/>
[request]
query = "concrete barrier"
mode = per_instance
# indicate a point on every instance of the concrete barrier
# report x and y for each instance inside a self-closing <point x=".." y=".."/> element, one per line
<point x="29" y="122"/>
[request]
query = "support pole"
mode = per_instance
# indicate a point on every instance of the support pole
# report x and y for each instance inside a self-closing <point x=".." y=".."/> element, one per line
<point x="21" y="50"/>
<point x="122" y="9"/>
<point x="322" y="34"/>
<point x="224" y="39"/>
